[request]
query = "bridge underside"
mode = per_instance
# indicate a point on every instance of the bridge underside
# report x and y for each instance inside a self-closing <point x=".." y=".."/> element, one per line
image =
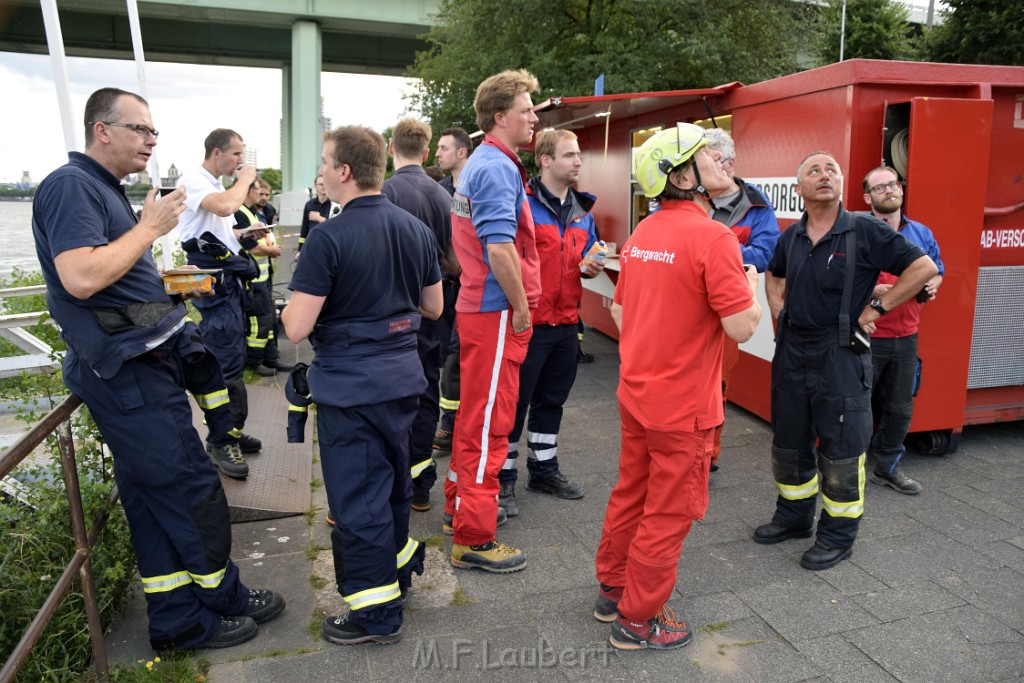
<point x="300" y="37"/>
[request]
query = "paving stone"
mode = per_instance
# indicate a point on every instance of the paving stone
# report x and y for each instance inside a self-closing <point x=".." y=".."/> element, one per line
<point x="891" y="604"/>
<point x="917" y="557"/>
<point x="957" y="645"/>
<point x="997" y="592"/>
<point x="806" y="608"/>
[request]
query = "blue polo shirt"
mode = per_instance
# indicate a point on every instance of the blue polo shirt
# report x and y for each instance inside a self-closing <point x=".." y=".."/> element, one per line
<point x="410" y="188"/>
<point x="816" y="274"/>
<point x="370" y="262"/>
<point x="82" y="205"/>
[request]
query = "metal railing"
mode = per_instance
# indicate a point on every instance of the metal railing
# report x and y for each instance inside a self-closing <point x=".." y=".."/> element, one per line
<point x="60" y="419"/>
<point x="39" y="356"/>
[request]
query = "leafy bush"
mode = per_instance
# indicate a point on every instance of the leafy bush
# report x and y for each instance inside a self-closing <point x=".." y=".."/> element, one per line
<point x="37" y="544"/>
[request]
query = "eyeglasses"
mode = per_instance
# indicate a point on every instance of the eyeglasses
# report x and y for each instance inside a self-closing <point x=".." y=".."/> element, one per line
<point x="882" y="187"/>
<point x="143" y="131"/>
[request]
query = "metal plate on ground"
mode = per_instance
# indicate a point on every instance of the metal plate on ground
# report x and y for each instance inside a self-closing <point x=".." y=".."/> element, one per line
<point x="279" y="475"/>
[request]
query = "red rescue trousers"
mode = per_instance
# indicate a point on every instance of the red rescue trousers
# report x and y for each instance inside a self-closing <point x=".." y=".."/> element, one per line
<point x="662" y="488"/>
<point x="489" y="369"/>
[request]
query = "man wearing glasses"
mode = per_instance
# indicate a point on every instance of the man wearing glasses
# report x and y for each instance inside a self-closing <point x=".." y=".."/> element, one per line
<point x="130" y="353"/>
<point x="894" y="361"/>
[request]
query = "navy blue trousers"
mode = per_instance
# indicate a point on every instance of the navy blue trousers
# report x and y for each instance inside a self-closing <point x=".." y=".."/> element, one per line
<point x="821" y="419"/>
<point x="428" y="346"/>
<point x="364" y="453"/>
<point x="894" y="362"/>
<point x="171" y="495"/>
<point x="545" y="380"/>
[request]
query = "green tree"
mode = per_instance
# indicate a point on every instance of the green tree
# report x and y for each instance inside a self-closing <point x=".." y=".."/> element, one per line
<point x="978" y="32"/>
<point x="272" y="176"/>
<point x="875" y="29"/>
<point x="638" y="46"/>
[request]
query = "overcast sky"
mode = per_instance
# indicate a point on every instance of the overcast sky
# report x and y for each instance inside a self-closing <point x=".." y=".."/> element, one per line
<point x="187" y="102"/>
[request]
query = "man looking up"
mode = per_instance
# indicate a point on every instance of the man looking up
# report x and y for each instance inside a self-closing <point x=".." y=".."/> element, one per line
<point x="130" y="353"/>
<point x="819" y="284"/>
<point x="410" y="189"/>
<point x="367" y="277"/>
<point x="206" y="227"/>
<point x="494" y="240"/>
<point x="894" y="341"/>
<point x="565" y="231"/>
<point x="681" y="290"/>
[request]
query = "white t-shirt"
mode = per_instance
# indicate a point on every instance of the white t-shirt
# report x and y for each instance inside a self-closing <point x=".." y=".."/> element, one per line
<point x="195" y="220"/>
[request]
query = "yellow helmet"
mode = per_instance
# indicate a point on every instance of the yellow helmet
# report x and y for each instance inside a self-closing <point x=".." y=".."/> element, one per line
<point x="662" y="153"/>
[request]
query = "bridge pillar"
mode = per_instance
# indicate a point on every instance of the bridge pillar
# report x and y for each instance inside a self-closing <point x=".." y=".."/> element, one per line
<point x="301" y="141"/>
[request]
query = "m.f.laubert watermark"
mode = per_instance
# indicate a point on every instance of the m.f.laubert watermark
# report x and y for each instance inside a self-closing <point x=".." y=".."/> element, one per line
<point x="484" y="655"/>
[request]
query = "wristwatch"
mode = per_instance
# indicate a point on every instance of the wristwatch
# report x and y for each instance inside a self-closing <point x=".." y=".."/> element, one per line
<point x="876" y="304"/>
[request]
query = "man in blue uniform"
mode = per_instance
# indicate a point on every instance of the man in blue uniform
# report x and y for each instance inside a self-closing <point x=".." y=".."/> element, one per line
<point x="315" y="212"/>
<point x="819" y="283"/>
<point x="411" y="189"/>
<point x="365" y="280"/>
<point x="130" y="353"/>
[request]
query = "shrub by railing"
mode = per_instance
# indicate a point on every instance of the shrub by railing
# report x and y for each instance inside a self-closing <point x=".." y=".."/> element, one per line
<point x="49" y="631"/>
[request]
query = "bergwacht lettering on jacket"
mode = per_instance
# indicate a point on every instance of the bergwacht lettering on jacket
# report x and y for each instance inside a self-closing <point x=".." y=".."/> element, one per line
<point x="648" y="255"/>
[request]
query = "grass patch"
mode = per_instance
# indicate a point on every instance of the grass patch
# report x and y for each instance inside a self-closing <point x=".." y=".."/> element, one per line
<point x="317" y="582"/>
<point x="460" y="598"/>
<point x="313" y="627"/>
<point x="711" y="628"/>
<point x="312" y="550"/>
<point x="722" y="647"/>
<point x="433" y="541"/>
<point x="316" y="484"/>
<point x="311" y="514"/>
<point x="178" y="667"/>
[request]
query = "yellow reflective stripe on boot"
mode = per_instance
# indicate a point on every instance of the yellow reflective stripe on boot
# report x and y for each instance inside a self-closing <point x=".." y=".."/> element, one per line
<point x="407" y="552"/>
<point x="235" y="433"/>
<point x="214" y="399"/>
<point x="209" y="580"/>
<point x="799" y="491"/>
<point x="168" y="582"/>
<point x="372" y="596"/>
<point x="449" y="404"/>
<point x="418" y="468"/>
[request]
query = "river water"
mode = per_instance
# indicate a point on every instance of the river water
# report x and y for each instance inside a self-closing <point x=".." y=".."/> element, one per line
<point x="16" y="227"/>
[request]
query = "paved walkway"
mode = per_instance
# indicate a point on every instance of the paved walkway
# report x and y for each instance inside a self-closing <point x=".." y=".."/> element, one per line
<point x="934" y="590"/>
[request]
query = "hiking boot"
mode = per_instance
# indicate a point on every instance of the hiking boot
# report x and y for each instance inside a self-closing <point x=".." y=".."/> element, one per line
<point x="557" y="485"/>
<point x="446" y="521"/>
<point x="492" y="556"/>
<point x="264" y="605"/>
<point x="507" y="498"/>
<point x="660" y="632"/>
<point x="584" y="357"/>
<point x="607" y="606"/>
<point x="233" y="631"/>
<point x="228" y="459"/>
<point x="442" y="443"/>
<point x="897" y="481"/>
<point x="420" y="500"/>
<point x="249" y="444"/>
<point x="340" y="631"/>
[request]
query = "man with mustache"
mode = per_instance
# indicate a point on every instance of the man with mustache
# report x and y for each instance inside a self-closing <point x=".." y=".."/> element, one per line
<point x="819" y="284"/>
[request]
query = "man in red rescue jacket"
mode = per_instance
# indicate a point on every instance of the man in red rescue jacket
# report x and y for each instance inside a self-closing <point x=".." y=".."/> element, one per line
<point x="564" y="228"/>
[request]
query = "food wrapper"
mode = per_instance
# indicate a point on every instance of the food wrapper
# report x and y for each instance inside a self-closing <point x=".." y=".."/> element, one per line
<point x="187" y="282"/>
